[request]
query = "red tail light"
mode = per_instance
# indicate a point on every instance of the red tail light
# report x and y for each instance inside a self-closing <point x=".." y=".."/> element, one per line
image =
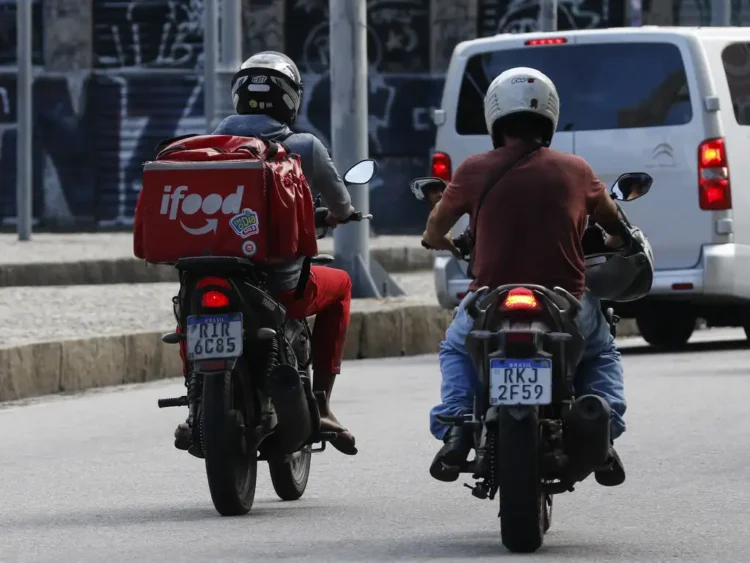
<point x="521" y="298"/>
<point x="714" y="191"/>
<point x="205" y="282"/>
<point x="214" y="300"/>
<point x="547" y="41"/>
<point x="519" y="337"/>
<point x="441" y="166"/>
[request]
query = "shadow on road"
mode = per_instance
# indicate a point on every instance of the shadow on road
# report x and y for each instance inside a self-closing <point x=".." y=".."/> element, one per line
<point x="712" y="346"/>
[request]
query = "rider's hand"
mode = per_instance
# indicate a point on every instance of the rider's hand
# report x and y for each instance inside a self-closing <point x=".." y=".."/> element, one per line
<point x="332" y="220"/>
<point x="446" y="243"/>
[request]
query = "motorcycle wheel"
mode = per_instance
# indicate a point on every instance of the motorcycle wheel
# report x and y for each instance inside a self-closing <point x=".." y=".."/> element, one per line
<point x="231" y="463"/>
<point x="290" y="478"/>
<point x="523" y="503"/>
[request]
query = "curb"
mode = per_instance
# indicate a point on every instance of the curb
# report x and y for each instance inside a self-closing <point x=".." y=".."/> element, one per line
<point x="75" y="365"/>
<point x="131" y="270"/>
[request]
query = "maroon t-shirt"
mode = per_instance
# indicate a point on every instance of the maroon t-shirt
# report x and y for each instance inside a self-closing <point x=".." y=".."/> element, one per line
<point x="531" y="222"/>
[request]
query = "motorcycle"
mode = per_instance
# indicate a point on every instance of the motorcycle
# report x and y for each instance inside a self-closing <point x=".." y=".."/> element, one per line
<point x="533" y="436"/>
<point x="249" y="389"/>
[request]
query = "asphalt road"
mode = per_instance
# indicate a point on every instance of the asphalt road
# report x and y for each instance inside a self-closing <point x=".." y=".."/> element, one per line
<point x="94" y="478"/>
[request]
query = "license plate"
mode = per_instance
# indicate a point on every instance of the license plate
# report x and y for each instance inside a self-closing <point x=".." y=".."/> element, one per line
<point x="520" y="382"/>
<point x="214" y="336"/>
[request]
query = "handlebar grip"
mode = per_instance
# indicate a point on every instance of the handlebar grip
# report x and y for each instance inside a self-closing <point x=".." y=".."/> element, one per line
<point x="353" y="217"/>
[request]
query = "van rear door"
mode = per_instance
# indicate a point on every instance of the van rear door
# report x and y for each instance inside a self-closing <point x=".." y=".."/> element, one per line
<point x="637" y="108"/>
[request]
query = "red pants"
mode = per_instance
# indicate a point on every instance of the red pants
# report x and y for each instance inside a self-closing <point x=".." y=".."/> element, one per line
<point x="328" y="295"/>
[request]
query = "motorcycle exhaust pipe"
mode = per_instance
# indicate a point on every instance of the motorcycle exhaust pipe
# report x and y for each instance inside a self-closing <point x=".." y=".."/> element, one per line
<point x="295" y="425"/>
<point x="587" y="438"/>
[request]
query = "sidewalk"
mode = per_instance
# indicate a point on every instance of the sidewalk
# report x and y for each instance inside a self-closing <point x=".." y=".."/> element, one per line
<point x="106" y="258"/>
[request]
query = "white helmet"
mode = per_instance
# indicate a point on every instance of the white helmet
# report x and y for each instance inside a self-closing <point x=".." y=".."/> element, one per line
<point x="519" y="90"/>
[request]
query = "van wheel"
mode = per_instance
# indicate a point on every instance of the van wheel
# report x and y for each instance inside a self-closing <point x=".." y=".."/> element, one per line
<point x="667" y="325"/>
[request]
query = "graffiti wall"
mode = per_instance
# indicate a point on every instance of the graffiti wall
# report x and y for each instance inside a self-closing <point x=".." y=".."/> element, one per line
<point x="93" y="132"/>
<point x="94" y="128"/>
<point x="8" y="32"/>
<point x="521" y="16"/>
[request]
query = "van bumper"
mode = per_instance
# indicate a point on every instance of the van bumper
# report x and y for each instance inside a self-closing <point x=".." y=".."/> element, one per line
<point x="713" y="276"/>
<point x="451" y="284"/>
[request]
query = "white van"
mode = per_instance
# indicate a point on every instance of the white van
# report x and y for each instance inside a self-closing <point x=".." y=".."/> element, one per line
<point x="670" y="101"/>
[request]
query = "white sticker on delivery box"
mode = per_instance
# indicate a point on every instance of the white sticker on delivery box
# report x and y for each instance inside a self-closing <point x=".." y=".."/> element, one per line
<point x="249" y="248"/>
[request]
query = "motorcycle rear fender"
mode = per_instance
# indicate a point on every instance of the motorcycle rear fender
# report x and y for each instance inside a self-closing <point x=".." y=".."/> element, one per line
<point x="260" y="308"/>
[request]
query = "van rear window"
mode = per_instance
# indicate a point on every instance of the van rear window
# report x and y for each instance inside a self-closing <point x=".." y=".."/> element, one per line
<point x="736" y="59"/>
<point x="602" y="86"/>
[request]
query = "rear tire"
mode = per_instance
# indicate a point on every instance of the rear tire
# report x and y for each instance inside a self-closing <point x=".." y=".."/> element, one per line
<point x="667" y="325"/>
<point x="290" y="479"/>
<point x="231" y="466"/>
<point x="523" y="504"/>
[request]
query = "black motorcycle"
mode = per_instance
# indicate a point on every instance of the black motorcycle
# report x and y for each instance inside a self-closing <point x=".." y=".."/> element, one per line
<point x="533" y="436"/>
<point x="249" y="392"/>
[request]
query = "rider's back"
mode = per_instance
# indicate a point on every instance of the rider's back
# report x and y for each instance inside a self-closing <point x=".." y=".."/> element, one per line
<point x="316" y="165"/>
<point x="531" y="222"/>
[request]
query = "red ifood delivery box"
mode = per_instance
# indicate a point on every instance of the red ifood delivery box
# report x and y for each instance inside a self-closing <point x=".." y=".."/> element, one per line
<point x="220" y="195"/>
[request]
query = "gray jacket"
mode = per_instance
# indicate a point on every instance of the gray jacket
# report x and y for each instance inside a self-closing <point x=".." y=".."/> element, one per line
<point x="319" y="170"/>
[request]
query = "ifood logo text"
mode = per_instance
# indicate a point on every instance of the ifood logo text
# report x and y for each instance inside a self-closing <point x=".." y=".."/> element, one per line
<point x="178" y="201"/>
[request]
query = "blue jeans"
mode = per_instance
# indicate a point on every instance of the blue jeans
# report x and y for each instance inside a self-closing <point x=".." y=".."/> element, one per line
<point x="599" y="373"/>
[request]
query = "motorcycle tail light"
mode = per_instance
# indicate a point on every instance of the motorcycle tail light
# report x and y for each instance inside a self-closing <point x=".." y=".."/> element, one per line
<point x="214" y="300"/>
<point x="521" y="298"/>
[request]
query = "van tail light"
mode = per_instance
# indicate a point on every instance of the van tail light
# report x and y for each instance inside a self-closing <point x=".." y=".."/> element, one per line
<point x="546" y="41"/>
<point x="441" y="166"/>
<point x="214" y="300"/>
<point x="714" y="193"/>
<point x="520" y="299"/>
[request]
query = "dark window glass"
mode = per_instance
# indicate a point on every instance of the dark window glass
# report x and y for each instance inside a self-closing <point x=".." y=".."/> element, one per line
<point x="602" y="86"/>
<point x="736" y="59"/>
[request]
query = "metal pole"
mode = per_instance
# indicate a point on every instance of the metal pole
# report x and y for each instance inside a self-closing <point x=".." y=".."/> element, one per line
<point x="721" y="13"/>
<point x="231" y="34"/>
<point x="636" y="13"/>
<point x="24" y="121"/>
<point x="548" y="15"/>
<point x="349" y="113"/>
<point x="210" y="48"/>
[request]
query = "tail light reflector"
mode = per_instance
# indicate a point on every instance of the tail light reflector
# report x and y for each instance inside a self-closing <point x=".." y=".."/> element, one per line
<point x="205" y="282"/>
<point x="441" y="166"/>
<point x="546" y="41"/>
<point x="521" y="298"/>
<point x="714" y="193"/>
<point x="519" y="337"/>
<point x="214" y="300"/>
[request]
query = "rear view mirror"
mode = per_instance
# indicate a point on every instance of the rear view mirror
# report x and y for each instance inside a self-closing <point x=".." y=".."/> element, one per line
<point x="361" y="173"/>
<point x="631" y="186"/>
<point x="428" y="189"/>
<point x="423" y="187"/>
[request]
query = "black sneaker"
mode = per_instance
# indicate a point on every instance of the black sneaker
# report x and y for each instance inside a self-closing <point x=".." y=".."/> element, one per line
<point x="614" y="473"/>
